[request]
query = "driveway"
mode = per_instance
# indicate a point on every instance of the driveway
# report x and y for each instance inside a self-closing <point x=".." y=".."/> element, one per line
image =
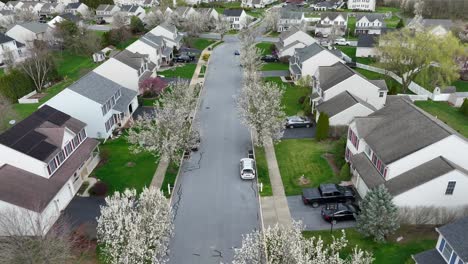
<point x="302" y="132"/>
<point x="275" y="73"/>
<point x="213" y="207"/>
<point x="84" y="211"/>
<point x="311" y="217"/>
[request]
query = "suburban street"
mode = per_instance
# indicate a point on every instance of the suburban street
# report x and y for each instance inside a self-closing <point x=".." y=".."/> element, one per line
<point x="213" y="207"/>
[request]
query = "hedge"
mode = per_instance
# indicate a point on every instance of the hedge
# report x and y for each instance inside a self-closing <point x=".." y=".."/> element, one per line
<point x="15" y="84"/>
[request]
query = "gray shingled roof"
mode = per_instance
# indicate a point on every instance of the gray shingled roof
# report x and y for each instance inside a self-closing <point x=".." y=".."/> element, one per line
<point x="366" y="170"/>
<point x="125" y="99"/>
<point x="169" y="27"/>
<point x="333" y="15"/>
<point x="379" y="83"/>
<point x="367" y="40"/>
<point x="429" y="257"/>
<point x="73" y="5"/>
<point x="309" y="51"/>
<point x="152" y="40"/>
<point x="287" y="14"/>
<point x="371" y="17"/>
<point x="35" y="27"/>
<point x="456" y="234"/>
<point x="387" y="130"/>
<point x="129" y="8"/>
<point x="429" y="23"/>
<point x="340" y="103"/>
<point x="233" y="12"/>
<point x="104" y="7"/>
<point x="96" y="87"/>
<point x="286" y="34"/>
<point x="330" y="76"/>
<point x="4" y="38"/>
<point x="134" y="60"/>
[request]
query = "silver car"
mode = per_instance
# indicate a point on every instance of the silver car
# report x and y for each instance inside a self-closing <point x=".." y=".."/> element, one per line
<point x="298" y="121"/>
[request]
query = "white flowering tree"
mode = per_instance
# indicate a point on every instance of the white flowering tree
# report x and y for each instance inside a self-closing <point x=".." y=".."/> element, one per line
<point x="135" y="229"/>
<point x="166" y="131"/>
<point x="196" y="24"/>
<point x="271" y="19"/>
<point x="222" y="26"/>
<point x="283" y="244"/>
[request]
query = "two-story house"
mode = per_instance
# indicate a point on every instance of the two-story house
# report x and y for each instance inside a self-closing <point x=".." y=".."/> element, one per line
<point x="327" y="5"/>
<point x="211" y="13"/>
<point x="77" y="8"/>
<point x="44" y="159"/>
<point x="369" y="24"/>
<point x="127" y="69"/>
<point x="291" y="40"/>
<point x="106" y="12"/>
<point x="170" y="34"/>
<point x="103" y="104"/>
<point x="66" y="16"/>
<point x="368" y="5"/>
<point x="10" y="49"/>
<point x="306" y="61"/>
<point x="332" y="23"/>
<point x="130" y="11"/>
<point x="236" y="17"/>
<point x="51" y="8"/>
<point x="27" y="33"/>
<point x="288" y="19"/>
<point x="451" y="247"/>
<point x="367" y="46"/>
<point x="343" y="94"/>
<point x="184" y="12"/>
<point x="6" y="16"/>
<point x="154" y="47"/>
<point x="421" y="161"/>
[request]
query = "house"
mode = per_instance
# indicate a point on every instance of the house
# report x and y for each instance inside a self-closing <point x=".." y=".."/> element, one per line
<point x="155" y="47"/>
<point x="237" y="18"/>
<point x="66" y="2"/>
<point x="30" y="31"/>
<point x="184" y="12"/>
<point x="438" y="27"/>
<point x="451" y="247"/>
<point x="133" y="10"/>
<point x="127" y="69"/>
<point x="66" y="16"/>
<point x="419" y="159"/>
<point x="142" y="3"/>
<point x="327" y="5"/>
<point x="103" y="104"/>
<point x="366" y="46"/>
<point x="306" y="61"/>
<point x="332" y="22"/>
<point x="6" y="17"/>
<point x="10" y="49"/>
<point x="367" y="5"/>
<point x="256" y="3"/>
<point x="369" y="24"/>
<point x="208" y="12"/>
<point x="11" y="5"/>
<point x="343" y="94"/>
<point x="170" y="34"/>
<point x="289" y="19"/>
<point x="44" y="160"/>
<point x="291" y="40"/>
<point x="51" y="8"/>
<point x="77" y="8"/>
<point x="106" y="12"/>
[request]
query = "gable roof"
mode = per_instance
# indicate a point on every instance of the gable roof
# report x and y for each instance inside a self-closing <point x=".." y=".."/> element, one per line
<point x="233" y="12"/>
<point x="205" y="10"/>
<point x="35" y="27"/>
<point x="308" y="52"/>
<point x="330" y="76"/>
<point x="367" y="40"/>
<point x="168" y="26"/>
<point x="387" y="130"/>
<point x="429" y="23"/>
<point x="133" y="60"/>
<point x="379" y="83"/>
<point x="152" y="40"/>
<point x="333" y="15"/>
<point x="105" y="7"/>
<point x="73" y="5"/>
<point x="288" y="14"/>
<point x="455" y="233"/>
<point x="71" y="17"/>
<point x="95" y="87"/>
<point x="129" y="8"/>
<point x="36" y="135"/>
<point x="340" y="103"/>
<point x="4" y="38"/>
<point x="371" y="17"/>
<point x="286" y="34"/>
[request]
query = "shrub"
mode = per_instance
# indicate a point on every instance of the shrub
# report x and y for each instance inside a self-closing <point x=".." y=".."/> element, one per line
<point x="15" y="84"/>
<point x="339" y="151"/>
<point x="464" y="107"/>
<point x="345" y="172"/>
<point x="206" y="57"/>
<point x="323" y="126"/>
<point x="116" y="36"/>
<point x="136" y="25"/>
<point x="307" y="107"/>
<point x="104" y="155"/>
<point x="98" y="189"/>
<point x="400" y="23"/>
<point x="301" y="100"/>
<point x="152" y="87"/>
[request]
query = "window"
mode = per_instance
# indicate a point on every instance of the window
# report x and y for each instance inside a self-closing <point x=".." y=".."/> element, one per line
<point x="69" y="148"/>
<point x="61" y="157"/>
<point x="354" y="139"/>
<point x="450" y="187"/>
<point x="368" y="151"/>
<point x="447" y="251"/>
<point x="347" y="153"/>
<point x="52" y="166"/>
<point x="381" y="94"/>
<point x="453" y="258"/>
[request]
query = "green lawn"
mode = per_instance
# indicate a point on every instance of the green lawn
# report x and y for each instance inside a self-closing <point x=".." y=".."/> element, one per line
<point x="291" y="96"/>
<point x="2" y="71"/>
<point x="350" y="51"/>
<point x="462" y="86"/>
<point x="262" y="171"/>
<point x="415" y="241"/>
<point x="273" y="34"/>
<point x="275" y="66"/>
<point x="70" y="67"/>
<point x="392" y="22"/>
<point x="124" y="169"/>
<point x="200" y="43"/>
<point x="185" y="71"/>
<point x="297" y="157"/>
<point x="367" y="61"/>
<point x="265" y="47"/>
<point x="148" y="101"/>
<point x="257" y="13"/>
<point x="446" y="113"/>
<point x="393" y="86"/>
<point x="351" y="25"/>
<point x="122" y="45"/>
<point x="170" y="177"/>
<point x="384" y="9"/>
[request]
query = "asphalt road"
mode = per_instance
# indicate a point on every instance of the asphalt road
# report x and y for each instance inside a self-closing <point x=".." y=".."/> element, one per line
<point x="213" y="206"/>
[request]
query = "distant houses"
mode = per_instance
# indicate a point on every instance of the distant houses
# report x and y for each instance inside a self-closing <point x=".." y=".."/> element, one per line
<point x="332" y="23"/>
<point x="289" y="19"/>
<point x="291" y="40"/>
<point x="236" y="17"/>
<point x="365" y="5"/>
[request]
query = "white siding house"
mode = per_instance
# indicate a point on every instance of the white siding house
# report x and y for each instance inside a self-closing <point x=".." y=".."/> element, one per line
<point x="170" y="34"/>
<point x="10" y="49"/>
<point x="366" y="46"/>
<point x="208" y="12"/>
<point x="44" y="159"/>
<point x="332" y="21"/>
<point x="369" y="24"/>
<point x="154" y="47"/>
<point x="133" y="10"/>
<point x="438" y="27"/>
<point x="420" y="160"/>
<point x="291" y="40"/>
<point x="368" y="5"/>
<point x="106" y="12"/>
<point x="26" y="33"/>
<point x="103" y="104"/>
<point x="289" y="19"/>
<point x="77" y="8"/>
<point x="127" y="69"/>
<point x="236" y="17"/>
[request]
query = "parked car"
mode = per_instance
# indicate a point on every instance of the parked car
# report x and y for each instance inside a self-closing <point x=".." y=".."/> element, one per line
<point x="247" y="168"/>
<point x="182" y="58"/>
<point x="100" y="21"/>
<point x="327" y="193"/>
<point x="342" y="42"/>
<point x="189" y="54"/>
<point x="236" y="53"/>
<point x="351" y="64"/>
<point x="339" y="212"/>
<point x="269" y="58"/>
<point x="298" y="121"/>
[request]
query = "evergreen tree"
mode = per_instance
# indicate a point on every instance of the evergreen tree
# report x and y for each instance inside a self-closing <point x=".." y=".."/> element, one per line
<point x="323" y="125"/>
<point x="464" y="107"/>
<point x="379" y="215"/>
<point x="400" y="23"/>
<point x="345" y="172"/>
<point x="136" y="25"/>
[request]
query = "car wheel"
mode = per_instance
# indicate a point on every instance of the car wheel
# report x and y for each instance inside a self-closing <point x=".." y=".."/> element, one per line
<point x="315" y="204"/>
<point x="291" y="126"/>
<point x="307" y="126"/>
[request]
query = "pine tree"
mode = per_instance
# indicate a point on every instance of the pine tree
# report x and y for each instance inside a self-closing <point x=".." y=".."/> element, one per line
<point x="323" y="125"/>
<point x="379" y="215"/>
<point x="400" y="23"/>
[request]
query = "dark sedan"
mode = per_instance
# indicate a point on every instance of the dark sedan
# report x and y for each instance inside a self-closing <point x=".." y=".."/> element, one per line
<point x="298" y="121"/>
<point x="182" y="58"/>
<point x="269" y="58"/>
<point x="339" y="212"/>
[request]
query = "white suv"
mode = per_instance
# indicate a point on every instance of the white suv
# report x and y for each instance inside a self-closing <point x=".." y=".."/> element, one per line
<point x="247" y="168"/>
<point x="342" y="42"/>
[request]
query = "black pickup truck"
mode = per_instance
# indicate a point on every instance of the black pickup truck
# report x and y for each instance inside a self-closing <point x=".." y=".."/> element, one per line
<point x="327" y="193"/>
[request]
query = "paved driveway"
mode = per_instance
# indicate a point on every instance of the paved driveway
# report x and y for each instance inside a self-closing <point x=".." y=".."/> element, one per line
<point x="310" y="216"/>
<point x="84" y="211"/>
<point x="302" y="132"/>
<point x="213" y="206"/>
<point x="275" y="73"/>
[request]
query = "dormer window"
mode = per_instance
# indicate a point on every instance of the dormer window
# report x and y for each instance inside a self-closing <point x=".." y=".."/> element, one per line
<point x="64" y="153"/>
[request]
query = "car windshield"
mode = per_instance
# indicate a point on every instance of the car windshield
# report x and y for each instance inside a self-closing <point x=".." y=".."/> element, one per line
<point x="247" y="171"/>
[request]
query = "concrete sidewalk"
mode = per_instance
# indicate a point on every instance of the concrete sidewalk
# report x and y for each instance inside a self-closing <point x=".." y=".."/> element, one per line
<point x="275" y="209"/>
